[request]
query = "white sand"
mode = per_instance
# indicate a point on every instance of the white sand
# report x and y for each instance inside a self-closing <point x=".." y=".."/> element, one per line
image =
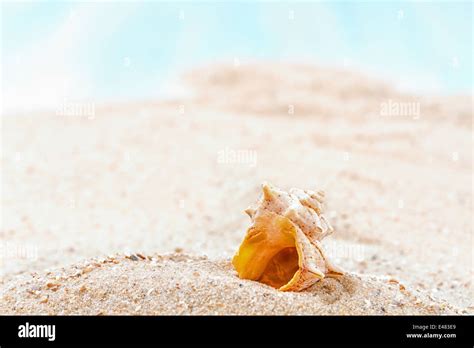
<point x="179" y="284"/>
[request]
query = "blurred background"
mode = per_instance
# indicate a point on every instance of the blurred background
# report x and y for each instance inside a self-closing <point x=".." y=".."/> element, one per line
<point x="134" y="50"/>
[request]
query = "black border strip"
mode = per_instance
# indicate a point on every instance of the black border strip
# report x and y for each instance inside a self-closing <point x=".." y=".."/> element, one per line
<point x="241" y="330"/>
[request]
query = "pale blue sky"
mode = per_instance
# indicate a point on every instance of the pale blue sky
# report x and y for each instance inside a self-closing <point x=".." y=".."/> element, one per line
<point x="127" y="50"/>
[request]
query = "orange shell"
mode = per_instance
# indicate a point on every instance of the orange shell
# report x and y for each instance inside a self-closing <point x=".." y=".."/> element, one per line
<point x="281" y="247"/>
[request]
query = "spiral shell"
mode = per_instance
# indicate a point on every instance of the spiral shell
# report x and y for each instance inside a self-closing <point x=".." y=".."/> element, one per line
<point x="282" y="246"/>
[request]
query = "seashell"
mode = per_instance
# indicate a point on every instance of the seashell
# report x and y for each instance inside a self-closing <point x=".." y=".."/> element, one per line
<point x="282" y="246"/>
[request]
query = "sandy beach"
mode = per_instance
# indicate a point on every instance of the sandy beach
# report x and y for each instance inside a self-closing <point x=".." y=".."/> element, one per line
<point x="137" y="208"/>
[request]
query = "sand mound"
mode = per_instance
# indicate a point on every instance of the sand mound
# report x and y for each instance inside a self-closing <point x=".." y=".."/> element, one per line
<point x="181" y="284"/>
<point x="311" y="91"/>
<point x="274" y="89"/>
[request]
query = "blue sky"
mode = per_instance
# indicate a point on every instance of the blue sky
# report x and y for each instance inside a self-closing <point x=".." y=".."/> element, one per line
<point x="128" y="50"/>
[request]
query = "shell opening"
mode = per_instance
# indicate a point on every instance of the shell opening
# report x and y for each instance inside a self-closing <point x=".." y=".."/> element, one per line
<point x="269" y="252"/>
